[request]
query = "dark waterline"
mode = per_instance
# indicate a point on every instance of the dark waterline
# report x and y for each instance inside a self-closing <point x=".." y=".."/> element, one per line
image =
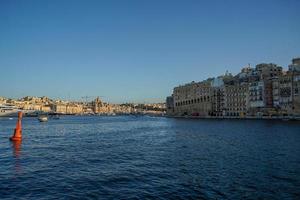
<point x="146" y="157"/>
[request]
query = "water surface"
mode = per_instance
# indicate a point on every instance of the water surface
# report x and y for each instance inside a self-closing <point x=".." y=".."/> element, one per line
<point x="130" y="157"/>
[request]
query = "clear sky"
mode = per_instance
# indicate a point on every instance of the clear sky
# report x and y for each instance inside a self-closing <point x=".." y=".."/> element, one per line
<point x="137" y="51"/>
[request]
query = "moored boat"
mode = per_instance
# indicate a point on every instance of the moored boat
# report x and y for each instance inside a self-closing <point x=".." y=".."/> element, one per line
<point x="8" y="111"/>
<point x="43" y="118"/>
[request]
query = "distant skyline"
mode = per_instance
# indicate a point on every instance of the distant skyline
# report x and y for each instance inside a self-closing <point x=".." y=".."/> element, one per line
<point x="137" y="51"/>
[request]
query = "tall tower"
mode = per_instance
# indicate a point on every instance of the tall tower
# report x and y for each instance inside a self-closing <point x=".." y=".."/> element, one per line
<point x="97" y="105"/>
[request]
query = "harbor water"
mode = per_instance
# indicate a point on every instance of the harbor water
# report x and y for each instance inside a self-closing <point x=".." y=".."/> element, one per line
<point x="129" y="157"/>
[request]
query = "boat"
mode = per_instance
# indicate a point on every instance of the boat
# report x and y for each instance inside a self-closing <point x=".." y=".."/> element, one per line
<point x="9" y="110"/>
<point x="43" y="118"/>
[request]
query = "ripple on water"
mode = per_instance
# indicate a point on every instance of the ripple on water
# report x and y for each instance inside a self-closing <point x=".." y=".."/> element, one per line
<point x="155" y="158"/>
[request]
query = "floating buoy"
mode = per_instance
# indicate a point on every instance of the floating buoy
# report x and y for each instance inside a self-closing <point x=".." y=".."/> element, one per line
<point x="18" y="130"/>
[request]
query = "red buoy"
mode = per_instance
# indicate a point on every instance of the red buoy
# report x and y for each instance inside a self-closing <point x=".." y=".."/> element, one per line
<point x="18" y="130"/>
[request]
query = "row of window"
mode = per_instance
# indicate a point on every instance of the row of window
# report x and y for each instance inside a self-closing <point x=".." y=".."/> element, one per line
<point x="235" y="95"/>
<point x="237" y="109"/>
<point x="193" y="101"/>
<point x="239" y="104"/>
<point x="236" y="90"/>
<point x="235" y="99"/>
<point x="255" y="93"/>
<point x="233" y="103"/>
<point x="256" y="99"/>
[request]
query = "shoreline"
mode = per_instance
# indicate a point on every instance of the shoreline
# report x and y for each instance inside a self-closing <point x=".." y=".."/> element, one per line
<point x="288" y="118"/>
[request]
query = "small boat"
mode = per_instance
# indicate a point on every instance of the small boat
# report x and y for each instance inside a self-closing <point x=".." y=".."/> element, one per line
<point x="43" y="118"/>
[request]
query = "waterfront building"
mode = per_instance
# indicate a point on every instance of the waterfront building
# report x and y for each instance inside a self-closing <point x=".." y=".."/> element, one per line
<point x="193" y="99"/>
<point x="263" y="90"/>
<point x="289" y="97"/>
<point x="236" y="100"/>
<point x="46" y="108"/>
<point x="294" y="73"/>
<point x="217" y="97"/>
<point x="217" y="101"/>
<point x="121" y="109"/>
<point x="72" y="108"/>
<point x="285" y="93"/>
<point x="268" y="93"/>
<point x="59" y="108"/>
<point x="96" y="105"/>
<point x="296" y="94"/>
<point x="261" y="98"/>
<point x="99" y="107"/>
<point x="275" y="93"/>
<point x="32" y="106"/>
<point x="170" y="105"/>
<point x="256" y="94"/>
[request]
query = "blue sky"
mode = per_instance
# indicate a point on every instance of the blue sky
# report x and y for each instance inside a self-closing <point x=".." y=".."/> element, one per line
<point x="137" y="51"/>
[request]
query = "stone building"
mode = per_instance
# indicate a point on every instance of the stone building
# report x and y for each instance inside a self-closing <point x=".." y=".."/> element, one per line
<point x="217" y="101"/>
<point x="236" y="100"/>
<point x="296" y="94"/>
<point x="96" y="105"/>
<point x="286" y="90"/>
<point x="67" y="108"/>
<point x="268" y="70"/>
<point x="285" y="93"/>
<point x="263" y="90"/>
<point x="34" y="106"/>
<point x="289" y="96"/>
<point x="100" y="107"/>
<point x="59" y="108"/>
<point x="268" y="93"/>
<point x="46" y="108"/>
<point x="256" y="94"/>
<point x="275" y="93"/>
<point x="170" y="105"/>
<point x="105" y="109"/>
<point x="193" y="99"/>
<point x="72" y="108"/>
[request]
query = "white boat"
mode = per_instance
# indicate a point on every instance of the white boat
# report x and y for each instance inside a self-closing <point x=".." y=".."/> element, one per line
<point x="8" y="111"/>
<point x="43" y="118"/>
